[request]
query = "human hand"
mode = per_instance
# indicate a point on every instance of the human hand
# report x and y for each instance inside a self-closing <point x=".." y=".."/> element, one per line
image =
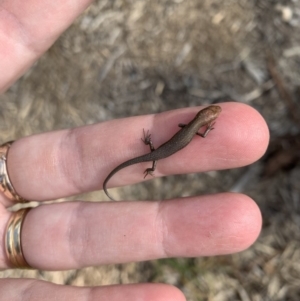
<point x="79" y="234"/>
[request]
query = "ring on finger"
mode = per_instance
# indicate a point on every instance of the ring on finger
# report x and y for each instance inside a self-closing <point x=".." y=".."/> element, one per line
<point x="13" y="242"/>
<point x="5" y="183"/>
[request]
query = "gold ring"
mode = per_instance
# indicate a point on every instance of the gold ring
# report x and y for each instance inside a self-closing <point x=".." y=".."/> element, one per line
<point x="5" y="184"/>
<point x="13" y="244"/>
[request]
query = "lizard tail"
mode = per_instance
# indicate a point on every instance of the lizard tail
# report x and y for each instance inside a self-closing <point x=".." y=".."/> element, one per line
<point x="105" y="188"/>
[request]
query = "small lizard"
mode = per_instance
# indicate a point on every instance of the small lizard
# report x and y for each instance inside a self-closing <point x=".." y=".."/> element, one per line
<point x="180" y="140"/>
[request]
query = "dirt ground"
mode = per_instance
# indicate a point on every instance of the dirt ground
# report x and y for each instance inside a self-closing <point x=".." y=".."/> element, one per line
<point x="123" y="58"/>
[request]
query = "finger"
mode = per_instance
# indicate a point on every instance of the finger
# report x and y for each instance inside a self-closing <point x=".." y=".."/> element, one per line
<point x="28" y="28"/>
<point x="25" y="289"/>
<point x="68" y="162"/>
<point x="75" y="235"/>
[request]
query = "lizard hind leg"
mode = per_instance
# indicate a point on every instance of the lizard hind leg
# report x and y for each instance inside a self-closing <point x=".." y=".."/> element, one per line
<point x="147" y="140"/>
<point x="147" y="172"/>
<point x="150" y="170"/>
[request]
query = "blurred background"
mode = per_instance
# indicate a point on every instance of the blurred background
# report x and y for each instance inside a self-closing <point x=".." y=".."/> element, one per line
<point x="123" y="58"/>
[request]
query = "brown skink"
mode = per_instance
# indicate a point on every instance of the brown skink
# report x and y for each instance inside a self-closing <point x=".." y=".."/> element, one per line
<point x="181" y="139"/>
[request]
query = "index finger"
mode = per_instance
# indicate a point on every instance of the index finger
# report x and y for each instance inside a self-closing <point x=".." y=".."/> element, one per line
<point x="68" y="162"/>
<point x="28" y="28"/>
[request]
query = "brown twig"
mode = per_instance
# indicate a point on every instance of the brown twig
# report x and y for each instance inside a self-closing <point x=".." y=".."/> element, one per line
<point x="282" y="90"/>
